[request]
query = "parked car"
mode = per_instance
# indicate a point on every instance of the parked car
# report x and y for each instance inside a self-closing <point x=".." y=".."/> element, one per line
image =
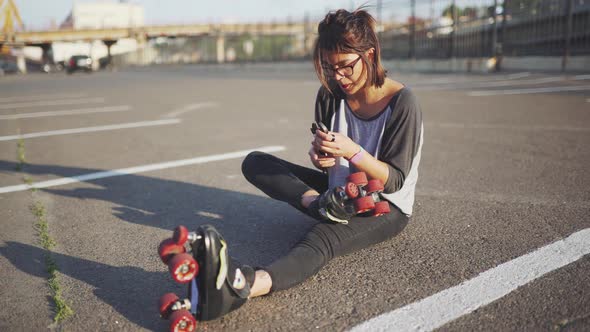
<point x="79" y="62"/>
<point x="8" y="68"/>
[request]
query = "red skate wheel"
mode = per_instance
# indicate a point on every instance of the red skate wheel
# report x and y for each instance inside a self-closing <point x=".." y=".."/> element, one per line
<point x="180" y="235"/>
<point x="183" y="268"/>
<point x="169" y="248"/>
<point x="351" y="190"/>
<point x="374" y="186"/>
<point x="364" y="204"/>
<point x="182" y="321"/>
<point x="165" y="304"/>
<point x="358" y="178"/>
<point x="381" y="208"/>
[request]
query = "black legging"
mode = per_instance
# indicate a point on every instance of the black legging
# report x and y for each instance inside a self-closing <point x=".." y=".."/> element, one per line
<point x="286" y="182"/>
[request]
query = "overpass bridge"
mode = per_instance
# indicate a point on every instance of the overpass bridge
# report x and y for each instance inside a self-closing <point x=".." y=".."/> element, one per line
<point x="147" y="32"/>
<point x="109" y="36"/>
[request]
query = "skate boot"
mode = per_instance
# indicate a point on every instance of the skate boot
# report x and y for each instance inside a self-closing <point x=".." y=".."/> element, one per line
<point x="358" y="196"/>
<point x="334" y="205"/>
<point x="223" y="284"/>
<point x="217" y="284"/>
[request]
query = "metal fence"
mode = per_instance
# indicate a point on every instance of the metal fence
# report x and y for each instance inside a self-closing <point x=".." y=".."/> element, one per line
<point x="204" y="49"/>
<point x="485" y="28"/>
<point x="415" y="29"/>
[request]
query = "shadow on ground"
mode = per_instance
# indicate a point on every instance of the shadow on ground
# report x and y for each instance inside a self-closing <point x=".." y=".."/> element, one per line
<point x="258" y="230"/>
<point x="129" y="290"/>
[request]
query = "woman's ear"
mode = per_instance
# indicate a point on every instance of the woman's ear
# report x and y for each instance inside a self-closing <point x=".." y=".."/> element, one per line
<point x="371" y="54"/>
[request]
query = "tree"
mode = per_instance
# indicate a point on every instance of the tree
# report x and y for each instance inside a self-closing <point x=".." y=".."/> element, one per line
<point x="470" y="12"/>
<point x="448" y="11"/>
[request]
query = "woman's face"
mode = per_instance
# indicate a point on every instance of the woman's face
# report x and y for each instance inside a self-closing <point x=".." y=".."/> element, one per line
<point x="346" y="69"/>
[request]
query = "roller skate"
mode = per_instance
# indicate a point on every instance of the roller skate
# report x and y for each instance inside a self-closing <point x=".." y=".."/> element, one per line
<point x="358" y="196"/>
<point x="217" y="284"/>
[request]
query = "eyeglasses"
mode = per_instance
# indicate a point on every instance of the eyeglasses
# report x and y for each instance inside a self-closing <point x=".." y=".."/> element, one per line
<point x="345" y="71"/>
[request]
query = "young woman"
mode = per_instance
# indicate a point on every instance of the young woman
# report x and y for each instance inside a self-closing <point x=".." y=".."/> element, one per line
<point x="374" y="125"/>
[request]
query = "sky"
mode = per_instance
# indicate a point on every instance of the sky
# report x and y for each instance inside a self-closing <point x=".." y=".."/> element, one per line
<point x="38" y="14"/>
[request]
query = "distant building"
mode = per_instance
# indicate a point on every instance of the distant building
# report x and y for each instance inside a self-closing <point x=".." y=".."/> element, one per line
<point x="93" y="15"/>
<point x="100" y="15"/>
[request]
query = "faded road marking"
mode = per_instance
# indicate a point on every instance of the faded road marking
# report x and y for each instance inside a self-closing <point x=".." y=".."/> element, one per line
<point x="528" y="91"/>
<point x="52" y="103"/>
<point x="65" y="112"/>
<point x="46" y="96"/>
<point x="190" y="107"/>
<point x="91" y="129"/>
<point x="139" y="169"/>
<point x="450" y="304"/>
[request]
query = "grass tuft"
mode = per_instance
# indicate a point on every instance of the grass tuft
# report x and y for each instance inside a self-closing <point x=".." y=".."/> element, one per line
<point x="20" y="155"/>
<point x="42" y="227"/>
<point x="62" y="310"/>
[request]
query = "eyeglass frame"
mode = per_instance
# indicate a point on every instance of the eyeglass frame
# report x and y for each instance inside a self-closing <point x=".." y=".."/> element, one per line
<point x="351" y="65"/>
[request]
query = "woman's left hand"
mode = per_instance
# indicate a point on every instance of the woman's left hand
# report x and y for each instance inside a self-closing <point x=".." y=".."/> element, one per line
<point x="335" y="144"/>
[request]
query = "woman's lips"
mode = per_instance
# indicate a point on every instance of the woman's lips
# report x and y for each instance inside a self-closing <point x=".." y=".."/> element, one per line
<point x="346" y="86"/>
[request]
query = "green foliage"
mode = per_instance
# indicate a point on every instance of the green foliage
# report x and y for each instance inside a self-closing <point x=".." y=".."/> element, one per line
<point x="20" y="154"/>
<point x="62" y="310"/>
<point x="448" y="11"/>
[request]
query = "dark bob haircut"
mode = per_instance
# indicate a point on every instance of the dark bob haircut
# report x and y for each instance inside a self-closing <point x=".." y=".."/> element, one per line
<point x="349" y="32"/>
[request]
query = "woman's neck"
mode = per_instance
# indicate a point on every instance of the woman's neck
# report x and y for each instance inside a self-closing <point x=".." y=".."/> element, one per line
<point x="366" y="96"/>
<point x="371" y="96"/>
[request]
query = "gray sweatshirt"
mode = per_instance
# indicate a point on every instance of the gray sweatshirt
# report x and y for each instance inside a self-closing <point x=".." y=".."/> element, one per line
<point x="394" y="136"/>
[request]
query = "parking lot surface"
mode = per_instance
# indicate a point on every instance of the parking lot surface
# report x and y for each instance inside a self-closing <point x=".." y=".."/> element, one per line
<point x="499" y="239"/>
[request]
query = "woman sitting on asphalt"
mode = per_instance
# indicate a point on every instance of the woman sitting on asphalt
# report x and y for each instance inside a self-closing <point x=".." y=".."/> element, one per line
<point x="373" y="124"/>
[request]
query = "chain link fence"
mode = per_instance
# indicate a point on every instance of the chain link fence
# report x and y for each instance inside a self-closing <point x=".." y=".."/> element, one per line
<point x="485" y="28"/>
<point x="408" y="29"/>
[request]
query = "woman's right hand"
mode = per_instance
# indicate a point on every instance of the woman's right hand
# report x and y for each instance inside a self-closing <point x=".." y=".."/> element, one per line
<point x="319" y="160"/>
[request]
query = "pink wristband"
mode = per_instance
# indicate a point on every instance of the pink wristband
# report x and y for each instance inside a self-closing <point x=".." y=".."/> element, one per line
<point x="357" y="156"/>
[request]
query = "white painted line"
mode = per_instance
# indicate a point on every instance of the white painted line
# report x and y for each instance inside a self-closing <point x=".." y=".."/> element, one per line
<point x="52" y="103"/>
<point x="458" y="125"/>
<point x="491" y="84"/>
<point x="450" y="304"/>
<point x="469" y="81"/>
<point x="428" y="80"/>
<point x="190" y="107"/>
<point x="66" y="112"/>
<point x="209" y="215"/>
<point x="519" y="75"/>
<point x="543" y="80"/>
<point x="41" y="97"/>
<point x="91" y="129"/>
<point x="528" y="91"/>
<point x="139" y="169"/>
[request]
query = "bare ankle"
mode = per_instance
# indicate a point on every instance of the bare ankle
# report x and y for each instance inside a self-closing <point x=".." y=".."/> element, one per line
<point x="262" y="284"/>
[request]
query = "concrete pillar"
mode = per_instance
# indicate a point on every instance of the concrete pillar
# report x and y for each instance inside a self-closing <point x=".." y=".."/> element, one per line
<point x="46" y="56"/>
<point x="21" y="63"/>
<point x="298" y="45"/>
<point x="47" y="49"/>
<point x="141" y="49"/>
<point x="220" y="49"/>
<point x="109" y="43"/>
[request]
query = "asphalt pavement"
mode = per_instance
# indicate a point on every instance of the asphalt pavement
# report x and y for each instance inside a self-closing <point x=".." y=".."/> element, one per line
<point x="121" y="158"/>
